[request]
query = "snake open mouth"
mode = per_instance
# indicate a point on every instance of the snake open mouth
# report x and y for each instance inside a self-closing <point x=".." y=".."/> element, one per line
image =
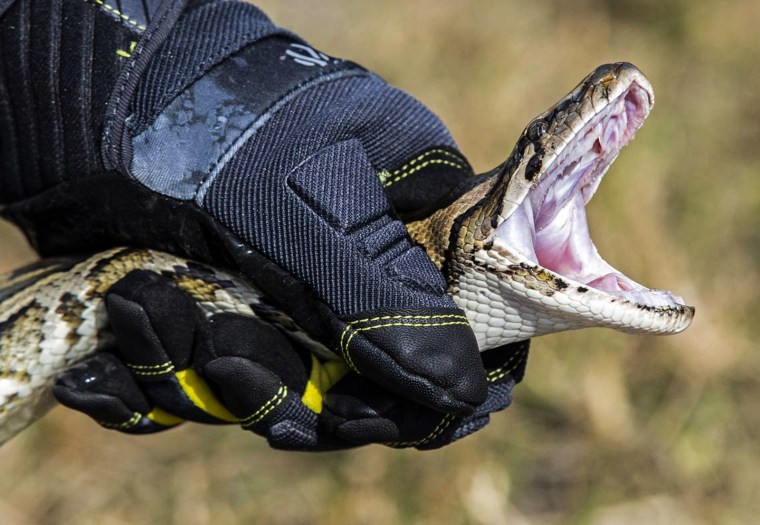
<point x="549" y="227"/>
<point x="516" y="248"/>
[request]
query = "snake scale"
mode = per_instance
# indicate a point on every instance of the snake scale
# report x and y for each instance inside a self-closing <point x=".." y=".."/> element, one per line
<point x="515" y="250"/>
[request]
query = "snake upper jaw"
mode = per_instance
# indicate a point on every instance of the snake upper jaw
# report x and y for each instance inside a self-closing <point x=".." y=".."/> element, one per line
<point x="547" y="136"/>
<point x="529" y="226"/>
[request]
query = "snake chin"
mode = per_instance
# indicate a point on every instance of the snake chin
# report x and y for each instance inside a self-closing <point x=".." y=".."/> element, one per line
<point x="549" y="228"/>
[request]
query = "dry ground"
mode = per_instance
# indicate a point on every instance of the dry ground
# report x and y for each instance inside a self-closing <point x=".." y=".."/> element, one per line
<point x="606" y="428"/>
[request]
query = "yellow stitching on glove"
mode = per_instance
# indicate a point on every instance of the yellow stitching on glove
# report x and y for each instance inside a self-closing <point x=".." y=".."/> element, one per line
<point x="421" y="167"/>
<point x="149" y="367"/>
<point x="136" y="417"/>
<point x="162" y="417"/>
<point x="121" y="15"/>
<point x="411" y="325"/>
<point x="437" y="431"/>
<point x="262" y="412"/>
<point x="199" y="393"/>
<point x="498" y="373"/>
<point x="322" y="378"/>
<point x="127" y="54"/>
<point x="359" y="321"/>
<point x="343" y="348"/>
<point x="385" y="175"/>
<point x="427" y="154"/>
<point x="151" y="370"/>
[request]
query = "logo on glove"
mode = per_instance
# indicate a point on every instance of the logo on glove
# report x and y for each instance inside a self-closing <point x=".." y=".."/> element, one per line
<point x="306" y="56"/>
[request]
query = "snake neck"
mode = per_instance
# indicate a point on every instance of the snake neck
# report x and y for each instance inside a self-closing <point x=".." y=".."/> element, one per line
<point x="460" y="227"/>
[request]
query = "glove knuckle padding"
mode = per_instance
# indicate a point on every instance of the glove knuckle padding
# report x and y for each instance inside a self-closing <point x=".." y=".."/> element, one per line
<point x="153" y="320"/>
<point x="246" y="386"/>
<point x="242" y="337"/>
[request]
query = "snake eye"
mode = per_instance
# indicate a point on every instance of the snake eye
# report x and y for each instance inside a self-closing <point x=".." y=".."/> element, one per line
<point x="536" y="129"/>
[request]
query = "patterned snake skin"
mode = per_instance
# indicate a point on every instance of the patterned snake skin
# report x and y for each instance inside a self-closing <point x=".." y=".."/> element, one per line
<point x="515" y="250"/>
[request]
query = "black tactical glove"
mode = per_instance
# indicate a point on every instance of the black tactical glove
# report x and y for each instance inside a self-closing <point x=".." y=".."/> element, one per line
<point x="202" y="129"/>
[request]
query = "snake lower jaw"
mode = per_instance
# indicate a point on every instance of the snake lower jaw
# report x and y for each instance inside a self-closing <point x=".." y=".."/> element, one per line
<point x="509" y="298"/>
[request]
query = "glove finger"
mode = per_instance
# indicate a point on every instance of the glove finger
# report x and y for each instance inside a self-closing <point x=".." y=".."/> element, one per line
<point x="259" y="399"/>
<point x="368" y="414"/>
<point x="252" y="362"/>
<point x="506" y="367"/>
<point x="267" y="406"/>
<point x="157" y="328"/>
<point x="502" y="380"/>
<point x="250" y="391"/>
<point x="103" y="388"/>
<point x="155" y="323"/>
<point x="429" y="356"/>
<point x="372" y="415"/>
<point x="233" y="335"/>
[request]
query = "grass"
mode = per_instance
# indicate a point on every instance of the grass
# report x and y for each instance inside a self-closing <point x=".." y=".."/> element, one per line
<point x="607" y="428"/>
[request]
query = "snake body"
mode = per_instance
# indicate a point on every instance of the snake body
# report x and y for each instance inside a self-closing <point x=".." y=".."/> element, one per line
<point x="515" y="251"/>
<point x="52" y="315"/>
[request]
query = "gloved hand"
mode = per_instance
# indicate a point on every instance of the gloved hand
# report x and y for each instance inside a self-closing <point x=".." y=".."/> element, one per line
<point x="203" y="129"/>
<point x="172" y="363"/>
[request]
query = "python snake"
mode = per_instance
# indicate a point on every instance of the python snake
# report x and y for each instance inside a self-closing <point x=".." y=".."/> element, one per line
<point x="515" y="250"/>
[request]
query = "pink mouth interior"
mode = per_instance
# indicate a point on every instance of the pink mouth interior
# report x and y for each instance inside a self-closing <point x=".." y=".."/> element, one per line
<point x="550" y="228"/>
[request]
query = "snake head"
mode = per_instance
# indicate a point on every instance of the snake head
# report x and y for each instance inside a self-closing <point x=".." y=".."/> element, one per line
<point x="516" y="248"/>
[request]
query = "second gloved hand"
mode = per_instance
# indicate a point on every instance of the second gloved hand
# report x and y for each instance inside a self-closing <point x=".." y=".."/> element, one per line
<point x="173" y="364"/>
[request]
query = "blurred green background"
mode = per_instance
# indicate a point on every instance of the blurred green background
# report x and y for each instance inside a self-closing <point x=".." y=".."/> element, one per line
<point x="606" y="428"/>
